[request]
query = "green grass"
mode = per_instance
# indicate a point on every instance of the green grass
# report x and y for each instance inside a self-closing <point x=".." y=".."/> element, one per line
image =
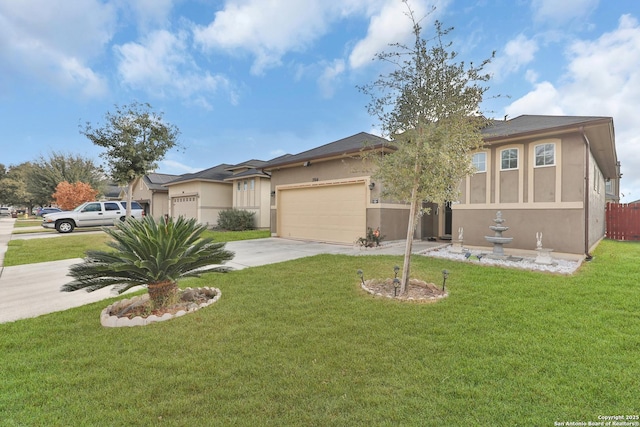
<point x="300" y="344"/>
<point x="21" y="223"/>
<point x="75" y="245"/>
<point x="230" y="236"/>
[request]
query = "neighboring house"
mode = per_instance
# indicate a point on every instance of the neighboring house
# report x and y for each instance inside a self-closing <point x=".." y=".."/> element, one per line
<point x="152" y="194"/>
<point x="251" y="190"/>
<point x="201" y="195"/>
<point x="546" y="174"/>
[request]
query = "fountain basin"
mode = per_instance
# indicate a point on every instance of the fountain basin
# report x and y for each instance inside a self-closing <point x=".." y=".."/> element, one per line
<point x="498" y="240"/>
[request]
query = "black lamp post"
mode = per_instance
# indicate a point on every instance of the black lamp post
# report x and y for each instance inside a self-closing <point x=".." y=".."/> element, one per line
<point x="361" y="274"/>
<point x="445" y="274"/>
<point x="395" y="270"/>
<point x="396" y="286"/>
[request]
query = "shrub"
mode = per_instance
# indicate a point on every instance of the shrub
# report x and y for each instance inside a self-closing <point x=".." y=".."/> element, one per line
<point x="373" y="238"/>
<point x="236" y="220"/>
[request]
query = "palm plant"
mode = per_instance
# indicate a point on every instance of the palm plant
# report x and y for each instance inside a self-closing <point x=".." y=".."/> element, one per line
<point x="152" y="254"/>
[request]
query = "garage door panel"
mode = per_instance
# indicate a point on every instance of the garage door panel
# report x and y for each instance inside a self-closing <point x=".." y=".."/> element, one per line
<point x="332" y="213"/>
<point x="184" y="206"/>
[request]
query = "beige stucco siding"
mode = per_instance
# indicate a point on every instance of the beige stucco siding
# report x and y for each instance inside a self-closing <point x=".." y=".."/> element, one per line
<point x="562" y="229"/>
<point x="210" y="197"/>
<point x="391" y="218"/>
<point x="253" y="195"/>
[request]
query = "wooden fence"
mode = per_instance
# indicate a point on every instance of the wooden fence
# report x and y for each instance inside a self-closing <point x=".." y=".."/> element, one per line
<point x="623" y="221"/>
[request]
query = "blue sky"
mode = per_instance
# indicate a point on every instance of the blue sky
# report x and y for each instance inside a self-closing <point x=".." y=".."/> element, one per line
<point x="254" y="79"/>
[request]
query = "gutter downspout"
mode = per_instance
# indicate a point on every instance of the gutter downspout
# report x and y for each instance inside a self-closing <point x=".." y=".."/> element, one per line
<point x="587" y="184"/>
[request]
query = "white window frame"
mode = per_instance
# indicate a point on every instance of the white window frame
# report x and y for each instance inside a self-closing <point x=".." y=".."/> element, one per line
<point x="544" y="156"/>
<point x="517" y="151"/>
<point x="484" y="162"/>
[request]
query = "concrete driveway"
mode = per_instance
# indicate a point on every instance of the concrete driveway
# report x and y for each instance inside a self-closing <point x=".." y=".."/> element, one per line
<point x="34" y="289"/>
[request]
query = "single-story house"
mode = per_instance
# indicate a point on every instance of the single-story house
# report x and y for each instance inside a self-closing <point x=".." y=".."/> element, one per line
<point x="201" y="195"/>
<point x="548" y="174"/>
<point x="152" y="194"/>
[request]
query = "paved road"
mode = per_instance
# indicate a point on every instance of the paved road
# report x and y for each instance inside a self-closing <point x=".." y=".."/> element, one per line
<point x="34" y="289"/>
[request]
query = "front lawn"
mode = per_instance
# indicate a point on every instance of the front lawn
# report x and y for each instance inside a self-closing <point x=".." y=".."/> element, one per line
<point x="300" y="344"/>
<point x="29" y="251"/>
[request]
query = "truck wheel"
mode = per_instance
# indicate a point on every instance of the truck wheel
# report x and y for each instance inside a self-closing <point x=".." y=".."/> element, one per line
<point x="64" y="226"/>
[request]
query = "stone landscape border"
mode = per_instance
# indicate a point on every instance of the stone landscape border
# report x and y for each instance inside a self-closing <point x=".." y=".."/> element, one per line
<point x="110" y="321"/>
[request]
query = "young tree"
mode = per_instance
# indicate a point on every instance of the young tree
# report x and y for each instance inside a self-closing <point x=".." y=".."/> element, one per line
<point x="68" y="196"/>
<point x="135" y="139"/>
<point x="48" y="172"/>
<point x="429" y="107"/>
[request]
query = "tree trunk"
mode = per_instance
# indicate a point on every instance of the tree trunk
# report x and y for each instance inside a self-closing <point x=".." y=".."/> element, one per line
<point x="162" y="293"/>
<point x="411" y="228"/>
<point x="129" y="199"/>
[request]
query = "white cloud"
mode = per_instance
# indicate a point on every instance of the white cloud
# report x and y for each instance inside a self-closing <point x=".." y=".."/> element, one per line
<point x="556" y="13"/>
<point x="602" y="79"/>
<point x="173" y="167"/>
<point x="150" y="13"/>
<point x="161" y="66"/>
<point x="266" y="29"/>
<point x="389" y="24"/>
<point x="517" y="52"/>
<point x="329" y="77"/>
<point x="54" y="41"/>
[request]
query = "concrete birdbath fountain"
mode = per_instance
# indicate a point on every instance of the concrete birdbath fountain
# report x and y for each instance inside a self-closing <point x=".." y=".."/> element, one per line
<point x="498" y="239"/>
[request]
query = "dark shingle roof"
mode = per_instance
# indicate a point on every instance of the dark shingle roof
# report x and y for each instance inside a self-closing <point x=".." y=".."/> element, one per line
<point x="253" y="172"/>
<point x="253" y="163"/>
<point x="349" y="145"/>
<point x="216" y="173"/>
<point x="156" y="181"/>
<point x="533" y="123"/>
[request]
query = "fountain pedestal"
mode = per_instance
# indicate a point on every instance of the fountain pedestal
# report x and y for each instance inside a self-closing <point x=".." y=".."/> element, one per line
<point x="498" y="240"/>
<point x="544" y="256"/>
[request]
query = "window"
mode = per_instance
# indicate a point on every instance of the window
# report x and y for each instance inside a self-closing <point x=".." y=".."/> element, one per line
<point x="252" y="184"/>
<point x="110" y="206"/>
<point x="92" y="207"/>
<point x="509" y="159"/>
<point x="245" y="186"/>
<point x="479" y="161"/>
<point x="545" y="154"/>
<point x="238" y="185"/>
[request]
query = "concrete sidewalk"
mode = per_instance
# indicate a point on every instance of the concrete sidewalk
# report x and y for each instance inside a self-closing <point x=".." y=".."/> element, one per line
<point x="34" y="289"/>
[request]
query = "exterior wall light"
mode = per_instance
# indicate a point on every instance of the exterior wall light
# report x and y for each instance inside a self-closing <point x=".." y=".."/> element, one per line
<point x="372" y="186"/>
<point x="396" y="286"/>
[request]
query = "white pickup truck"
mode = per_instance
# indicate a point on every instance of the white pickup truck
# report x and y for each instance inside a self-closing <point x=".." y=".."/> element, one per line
<point x="91" y="214"/>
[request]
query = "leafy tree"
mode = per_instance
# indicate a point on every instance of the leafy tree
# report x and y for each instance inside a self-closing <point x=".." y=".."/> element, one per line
<point x="429" y="107"/>
<point x="59" y="167"/>
<point x="150" y="253"/>
<point x="13" y="188"/>
<point x="68" y="196"/>
<point x="135" y="139"/>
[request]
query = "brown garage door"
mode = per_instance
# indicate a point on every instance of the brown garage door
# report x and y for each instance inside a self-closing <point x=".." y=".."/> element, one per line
<point x="328" y="213"/>
<point x="185" y="206"/>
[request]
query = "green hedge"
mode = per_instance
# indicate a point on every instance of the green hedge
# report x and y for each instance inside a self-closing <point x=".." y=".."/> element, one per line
<point x="236" y="220"/>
